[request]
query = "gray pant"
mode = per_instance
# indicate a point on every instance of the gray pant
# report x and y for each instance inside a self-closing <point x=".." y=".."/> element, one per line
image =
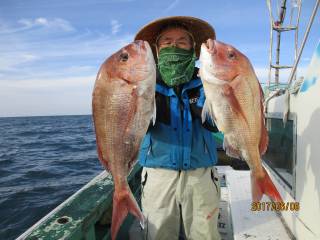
<point x="168" y="195"/>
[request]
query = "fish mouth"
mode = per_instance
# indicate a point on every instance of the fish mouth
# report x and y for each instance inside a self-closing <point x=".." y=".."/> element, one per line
<point x="149" y="51"/>
<point x="147" y="45"/>
<point x="150" y="57"/>
<point x="140" y="44"/>
<point x="210" y="46"/>
<point x="143" y="47"/>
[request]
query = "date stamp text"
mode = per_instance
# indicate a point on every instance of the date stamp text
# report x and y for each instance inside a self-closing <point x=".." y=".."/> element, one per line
<point x="275" y="206"/>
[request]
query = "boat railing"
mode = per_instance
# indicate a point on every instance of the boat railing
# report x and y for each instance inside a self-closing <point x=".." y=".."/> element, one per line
<point x="278" y="27"/>
<point x="87" y="213"/>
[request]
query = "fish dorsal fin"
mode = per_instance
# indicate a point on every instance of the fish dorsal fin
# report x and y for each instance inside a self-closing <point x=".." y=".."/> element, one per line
<point x="264" y="138"/>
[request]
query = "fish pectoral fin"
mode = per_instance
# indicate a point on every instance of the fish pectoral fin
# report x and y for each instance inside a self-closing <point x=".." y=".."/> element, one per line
<point x="204" y="112"/>
<point x="123" y="203"/>
<point x="207" y="111"/>
<point x="154" y="115"/>
<point x="228" y="92"/>
<point x="229" y="149"/>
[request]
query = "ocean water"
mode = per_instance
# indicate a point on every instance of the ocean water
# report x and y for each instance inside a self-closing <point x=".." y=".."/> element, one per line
<point x="43" y="160"/>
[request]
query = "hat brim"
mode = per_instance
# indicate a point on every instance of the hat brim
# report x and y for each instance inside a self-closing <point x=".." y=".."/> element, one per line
<point x="200" y="30"/>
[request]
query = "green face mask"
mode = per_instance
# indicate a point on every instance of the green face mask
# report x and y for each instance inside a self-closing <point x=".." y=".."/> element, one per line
<point x="176" y="65"/>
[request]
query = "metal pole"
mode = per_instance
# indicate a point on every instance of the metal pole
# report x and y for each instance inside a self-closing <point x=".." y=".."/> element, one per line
<point x="282" y="14"/>
<point x="303" y="43"/>
<point x="296" y="35"/>
<point x="271" y="42"/>
<point x="276" y="80"/>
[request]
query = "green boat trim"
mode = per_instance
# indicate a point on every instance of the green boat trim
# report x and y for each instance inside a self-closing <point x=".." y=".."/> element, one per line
<point x="86" y="214"/>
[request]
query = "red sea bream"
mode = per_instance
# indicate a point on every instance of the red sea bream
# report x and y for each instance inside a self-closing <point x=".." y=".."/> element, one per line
<point x="234" y="101"/>
<point x="123" y="104"/>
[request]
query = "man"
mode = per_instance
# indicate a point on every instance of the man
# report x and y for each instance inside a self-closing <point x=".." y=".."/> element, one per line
<point x="180" y="184"/>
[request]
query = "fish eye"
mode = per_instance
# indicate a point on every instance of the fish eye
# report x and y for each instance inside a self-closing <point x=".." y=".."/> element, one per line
<point x="124" y="57"/>
<point x="231" y="55"/>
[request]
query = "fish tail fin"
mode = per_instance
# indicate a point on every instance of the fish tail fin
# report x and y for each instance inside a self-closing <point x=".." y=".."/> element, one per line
<point x="262" y="186"/>
<point x="123" y="203"/>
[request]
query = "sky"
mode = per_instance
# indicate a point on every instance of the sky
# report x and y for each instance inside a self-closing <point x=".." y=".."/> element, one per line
<point x="51" y="51"/>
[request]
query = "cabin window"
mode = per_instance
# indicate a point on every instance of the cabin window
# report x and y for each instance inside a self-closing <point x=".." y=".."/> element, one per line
<point x="280" y="155"/>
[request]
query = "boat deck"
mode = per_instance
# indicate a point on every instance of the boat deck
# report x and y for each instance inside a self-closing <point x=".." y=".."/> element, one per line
<point x="245" y="223"/>
<point x="236" y="220"/>
<point x="92" y="219"/>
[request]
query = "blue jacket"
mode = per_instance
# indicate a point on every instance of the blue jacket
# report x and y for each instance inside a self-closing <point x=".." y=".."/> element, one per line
<point x="179" y="140"/>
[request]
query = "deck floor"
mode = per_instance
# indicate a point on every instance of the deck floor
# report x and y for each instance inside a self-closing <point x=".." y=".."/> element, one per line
<point x="224" y="219"/>
<point x="236" y="220"/>
<point x="248" y="224"/>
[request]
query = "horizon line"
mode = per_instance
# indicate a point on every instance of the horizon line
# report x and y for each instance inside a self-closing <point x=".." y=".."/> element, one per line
<point x="57" y="115"/>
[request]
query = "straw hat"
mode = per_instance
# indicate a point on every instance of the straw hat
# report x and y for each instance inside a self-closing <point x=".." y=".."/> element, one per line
<point x="199" y="29"/>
